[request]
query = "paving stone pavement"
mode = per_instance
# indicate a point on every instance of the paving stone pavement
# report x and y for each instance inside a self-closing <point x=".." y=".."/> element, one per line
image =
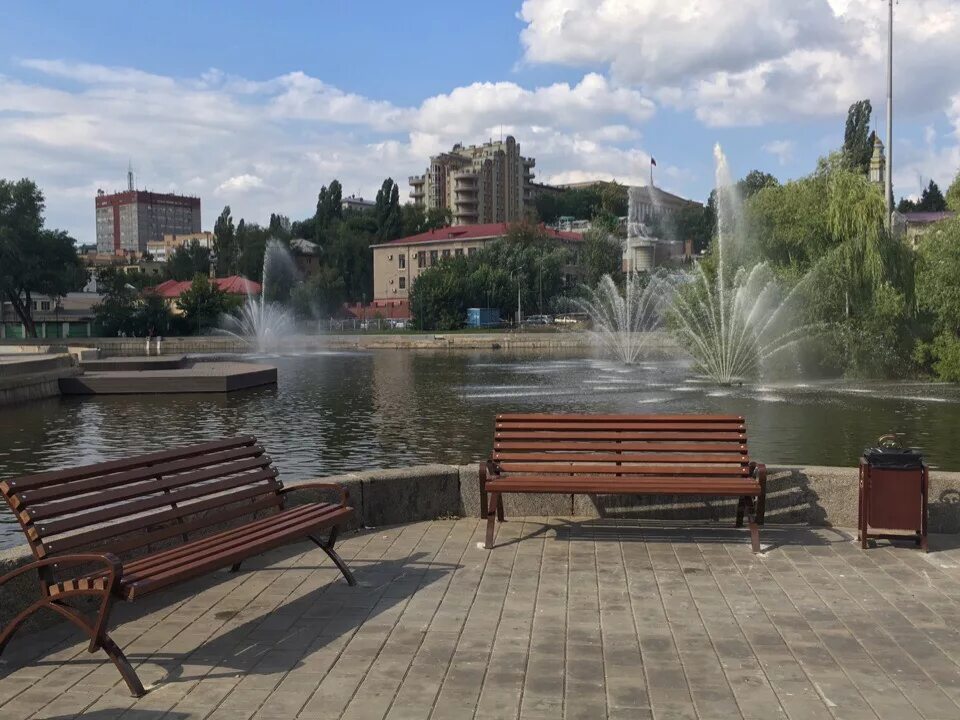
<point x="565" y="618"/>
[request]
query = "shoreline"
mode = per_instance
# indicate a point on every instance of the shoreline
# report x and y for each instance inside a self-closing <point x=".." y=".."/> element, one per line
<point x="572" y="340"/>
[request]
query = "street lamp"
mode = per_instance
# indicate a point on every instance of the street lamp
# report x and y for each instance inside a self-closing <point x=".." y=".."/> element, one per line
<point x="889" y="178"/>
<point x="519" y="314"/>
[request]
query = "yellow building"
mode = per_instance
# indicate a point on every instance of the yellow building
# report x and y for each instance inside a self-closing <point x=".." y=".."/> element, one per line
<point x="397" y="264"/>
<point x="161" y="250"/>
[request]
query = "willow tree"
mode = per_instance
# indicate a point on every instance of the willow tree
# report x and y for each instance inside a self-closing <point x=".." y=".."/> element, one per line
<point x="869" y="255"/>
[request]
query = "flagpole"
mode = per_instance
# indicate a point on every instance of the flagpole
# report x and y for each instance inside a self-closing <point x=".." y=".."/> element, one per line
<point x="651" y="172"/>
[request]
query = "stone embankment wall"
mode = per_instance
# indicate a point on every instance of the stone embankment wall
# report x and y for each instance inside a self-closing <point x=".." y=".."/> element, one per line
<point x="405" y="341"/>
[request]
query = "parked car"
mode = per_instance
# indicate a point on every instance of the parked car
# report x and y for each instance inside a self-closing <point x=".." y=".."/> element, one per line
<point x="398" y="324"/>
<point x="538" y="320"/>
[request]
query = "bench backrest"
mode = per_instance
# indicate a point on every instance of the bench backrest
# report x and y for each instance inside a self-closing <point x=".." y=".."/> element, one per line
<point x="668" y="446"/>
<point x="124" y="505"/>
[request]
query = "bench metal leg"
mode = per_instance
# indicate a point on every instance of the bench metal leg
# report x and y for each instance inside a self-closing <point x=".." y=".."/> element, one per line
<point x="754" y="526"/>
<point x="499" y="507"/>
<point x="99" y="639"/>
<point x="741" y="504"/>
<point x="493" y="510"/>
<point x="327" y="547"/>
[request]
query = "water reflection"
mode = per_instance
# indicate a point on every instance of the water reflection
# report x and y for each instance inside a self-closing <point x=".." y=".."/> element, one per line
<point x="338" y="412"/>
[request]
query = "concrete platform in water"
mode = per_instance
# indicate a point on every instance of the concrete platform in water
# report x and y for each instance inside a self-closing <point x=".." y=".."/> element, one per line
<point x="200" y="377"/>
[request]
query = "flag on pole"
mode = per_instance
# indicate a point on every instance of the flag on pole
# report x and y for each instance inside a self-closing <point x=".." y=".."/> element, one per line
<point x="653" y="162"/>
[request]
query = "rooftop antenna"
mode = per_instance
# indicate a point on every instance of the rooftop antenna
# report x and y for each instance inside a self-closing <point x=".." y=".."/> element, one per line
<point x="129" y="176"/>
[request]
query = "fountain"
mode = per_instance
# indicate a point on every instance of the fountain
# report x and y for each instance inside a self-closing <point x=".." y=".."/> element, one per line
<point x="732" y="320"/>
<point x="622" y="323"/>
<point x="264" y="322"/>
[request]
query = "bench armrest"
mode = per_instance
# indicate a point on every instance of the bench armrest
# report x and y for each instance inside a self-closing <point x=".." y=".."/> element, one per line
<point x="488" y="469"/>
<point x="344" y="493"/>
<point x="759" y="471"/>
<point x="111" y="562"/>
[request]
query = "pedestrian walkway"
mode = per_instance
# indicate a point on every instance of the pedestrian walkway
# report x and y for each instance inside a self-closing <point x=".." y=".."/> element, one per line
<point x="563" y="619"/>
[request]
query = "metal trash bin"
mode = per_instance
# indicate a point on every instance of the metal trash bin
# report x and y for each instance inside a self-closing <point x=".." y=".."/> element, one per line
<point x="893" y="493"/>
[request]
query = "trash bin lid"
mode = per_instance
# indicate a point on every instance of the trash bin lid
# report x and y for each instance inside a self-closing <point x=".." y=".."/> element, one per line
<point x="894" y="458"/>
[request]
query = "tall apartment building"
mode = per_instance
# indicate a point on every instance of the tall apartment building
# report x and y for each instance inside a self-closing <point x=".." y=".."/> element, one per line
<point x="127" y="221"/>
<point x="489" y="183"/>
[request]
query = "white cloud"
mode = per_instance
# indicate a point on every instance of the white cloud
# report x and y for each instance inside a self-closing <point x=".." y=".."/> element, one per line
<point x="268" y="145"/>
<point x="239" y="183"/>
<point x="754" y="60"/>
<point x="782" y="150"/>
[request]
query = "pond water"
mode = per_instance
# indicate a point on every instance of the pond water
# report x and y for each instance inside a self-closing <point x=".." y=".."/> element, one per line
<point x="343" y="411"/>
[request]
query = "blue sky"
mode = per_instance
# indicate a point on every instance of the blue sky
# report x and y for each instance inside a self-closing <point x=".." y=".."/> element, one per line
<point x="257" y="105"/>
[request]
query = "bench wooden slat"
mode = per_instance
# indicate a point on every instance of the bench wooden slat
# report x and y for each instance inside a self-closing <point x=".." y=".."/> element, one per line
<point x="171" y="558"/>
<point x="56" y="508"/>
<point x="626" y="457"/>
<point x="52" y="477"/>
<point x="73" y="522"/>
<point x="678" y="471"/>
<point x="623" y="419"/>
<point x="215" y="511"/>
<point x="630" y="484"/>
<point x="655" y="447"/>
<point x="209" y="562"/>
<point x="626" y="435"/>
<point x="103" y="483"/>
<point x="646" y="427"/>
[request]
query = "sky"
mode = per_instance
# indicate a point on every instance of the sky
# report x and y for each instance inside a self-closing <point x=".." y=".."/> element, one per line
<point x="257" y="105"/>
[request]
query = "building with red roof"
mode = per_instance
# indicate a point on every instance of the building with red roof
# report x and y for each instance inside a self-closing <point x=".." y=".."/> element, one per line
<point x="232" y="285"/>
<point x="396" y="264"/>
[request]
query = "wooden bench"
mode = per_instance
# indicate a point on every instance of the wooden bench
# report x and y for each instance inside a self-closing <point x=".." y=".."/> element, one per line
<point x="79" y="523"/>
<point x="623" y="454"/>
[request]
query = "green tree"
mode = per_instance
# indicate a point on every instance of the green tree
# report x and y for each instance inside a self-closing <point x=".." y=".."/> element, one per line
<point x="953" y="195"/>
<point x="280" y="227"/>
<point x="755" y="181"/>
<point x="602" y="255"/>
<point x="857" y="140"/>
<point x="906" y="205"/>
<point x="188" y="260"/>
<point x="387" y="211"/>
<point x="320" y="295"/>
<point x="126" y="308"/>
<point x="931" y="199"/>
<point x="252" y="244"/>
<point x="203" y="304"/>
<point x="694" y="223"/>
<point x="225" y="244"/>
<point x="33" y="259"/>
<point x="329" y="211"/>
<point x="938" y="295"/>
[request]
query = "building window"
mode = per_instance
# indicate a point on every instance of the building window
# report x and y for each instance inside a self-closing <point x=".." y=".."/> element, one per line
<point x="458" y="252"/>
<point x="471" y="251"/>
<point x="446" y="253"/>
<point x="44" y="304"/>
<point x="401" y="261"/>
<point x="422" y="259"/>
<point x="403" y="282"/>
<point x="433" y="257"/>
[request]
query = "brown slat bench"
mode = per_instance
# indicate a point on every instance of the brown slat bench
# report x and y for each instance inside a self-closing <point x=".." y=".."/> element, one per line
<point x="623" y="454"/>
<point x="79" y="523"/>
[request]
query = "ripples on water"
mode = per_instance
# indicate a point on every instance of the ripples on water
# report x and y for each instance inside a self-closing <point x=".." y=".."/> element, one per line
<point x="338" y="412"/>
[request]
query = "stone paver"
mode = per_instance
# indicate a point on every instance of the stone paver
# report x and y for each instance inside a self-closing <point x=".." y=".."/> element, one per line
<point x="564" y="619"/>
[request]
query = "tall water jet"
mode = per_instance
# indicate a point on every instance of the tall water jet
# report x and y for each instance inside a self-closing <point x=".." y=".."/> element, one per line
<point x="734" y="321"/>
<point x="262" y="322"/>
<point x="622" y="323"/>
